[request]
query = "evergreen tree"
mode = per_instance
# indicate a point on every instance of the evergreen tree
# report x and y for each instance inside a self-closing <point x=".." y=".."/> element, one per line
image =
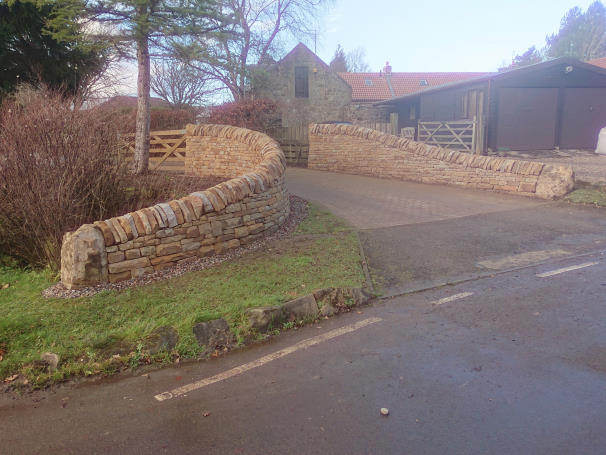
<point x="339" y="61"/>
<point x="30" y="54"/>
<point x="582" y="35"/>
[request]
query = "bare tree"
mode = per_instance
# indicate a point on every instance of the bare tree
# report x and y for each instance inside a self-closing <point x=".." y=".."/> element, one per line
<point x="260" y="28"/>
<point x="356" y="61"/>
<point x="143" y="28"/>
<point x="179" y="84"/>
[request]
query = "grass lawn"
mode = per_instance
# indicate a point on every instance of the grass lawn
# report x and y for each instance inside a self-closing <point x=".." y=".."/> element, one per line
<point x="102" y="334"/>
<point x="588" y="193"/>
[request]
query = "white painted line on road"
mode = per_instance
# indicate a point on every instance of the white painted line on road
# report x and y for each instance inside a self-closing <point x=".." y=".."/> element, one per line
<point x="266" y="359"/>
<point x="566" y="269"/>
<point x="452" y="298"/>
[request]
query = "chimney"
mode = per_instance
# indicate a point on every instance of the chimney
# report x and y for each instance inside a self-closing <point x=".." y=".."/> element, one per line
<point x="387" y="72"/>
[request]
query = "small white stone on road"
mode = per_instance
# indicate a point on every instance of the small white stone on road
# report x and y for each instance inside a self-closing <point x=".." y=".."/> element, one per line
<point x="384" y="411"/>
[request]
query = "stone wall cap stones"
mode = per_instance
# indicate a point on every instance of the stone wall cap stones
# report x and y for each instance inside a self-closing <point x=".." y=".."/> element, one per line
<point x="133" y="227"/>
<point x="177" y="211"/>
<point x="208" y="206"/>
<point x="138" y="223"/>
<point x="110" y="225"/>
<point x="163" y="216"/>
<point x="188" y="210"/>
<point x="155" y="213"/>
<point x="197" y="205"/>
<point x="170" y="215"/>
<point x="214" y="200"/>
<point x="116" y="224"/>
<point x="126" y="226"/>
<point x="142" y="217"/>
<point x="108" y="237"/>
<point x="152" y="218"/>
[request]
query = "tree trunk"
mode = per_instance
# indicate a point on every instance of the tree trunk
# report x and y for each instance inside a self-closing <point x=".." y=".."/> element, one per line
<point x="141" y="159"/>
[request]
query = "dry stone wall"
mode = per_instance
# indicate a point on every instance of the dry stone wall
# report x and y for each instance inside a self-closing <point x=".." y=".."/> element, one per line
<point x="357" y="150"/>
<point x="236" y="212"/>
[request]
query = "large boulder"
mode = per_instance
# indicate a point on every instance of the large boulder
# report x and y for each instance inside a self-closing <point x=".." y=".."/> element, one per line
<point x="555" y="181"/>
<point x="83" y="258"/>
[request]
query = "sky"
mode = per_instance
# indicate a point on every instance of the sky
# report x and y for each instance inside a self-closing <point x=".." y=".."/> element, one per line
<point x="442" y="35"/>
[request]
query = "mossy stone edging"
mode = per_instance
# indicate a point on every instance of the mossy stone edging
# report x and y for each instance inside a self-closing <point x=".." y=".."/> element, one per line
<point x="324" y="302"/>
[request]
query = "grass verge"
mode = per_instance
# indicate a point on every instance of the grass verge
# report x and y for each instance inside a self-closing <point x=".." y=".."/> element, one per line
<point x="104" y="333"/>
<point x="588" y="193"/>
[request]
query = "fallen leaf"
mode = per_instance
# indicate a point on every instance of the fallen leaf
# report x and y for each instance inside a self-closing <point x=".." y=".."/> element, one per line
<point x="5" y="286"/>
<point x="11" y="378"/>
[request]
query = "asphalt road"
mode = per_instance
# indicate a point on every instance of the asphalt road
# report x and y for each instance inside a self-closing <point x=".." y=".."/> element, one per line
<point x="418" y="236"/>
<point x="516" y="365"/>
<point x="503" y="362"/>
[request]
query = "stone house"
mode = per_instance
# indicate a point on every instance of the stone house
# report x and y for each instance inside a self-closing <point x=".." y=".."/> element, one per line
<point x="305" y="88"/>
<point x="309" y="91"/>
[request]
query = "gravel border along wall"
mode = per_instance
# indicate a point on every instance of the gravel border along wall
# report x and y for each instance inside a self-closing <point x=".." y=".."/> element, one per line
<point x="236" y="212"/>
<point x="356" y="150"/>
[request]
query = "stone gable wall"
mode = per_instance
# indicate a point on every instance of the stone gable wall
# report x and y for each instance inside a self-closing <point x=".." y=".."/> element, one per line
<point x="328" y="93"/>
<point x="236" y="212"/>
<point x="362" y="151"/>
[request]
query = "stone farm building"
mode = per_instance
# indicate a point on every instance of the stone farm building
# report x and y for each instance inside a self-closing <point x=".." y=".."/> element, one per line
<point x="309" y="91"/>
<point x="555" y="104"/>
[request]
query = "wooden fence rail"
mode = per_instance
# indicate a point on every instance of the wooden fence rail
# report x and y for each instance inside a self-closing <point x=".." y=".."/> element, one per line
<point x="457" y="134"/>
<point x="167" y="150"/>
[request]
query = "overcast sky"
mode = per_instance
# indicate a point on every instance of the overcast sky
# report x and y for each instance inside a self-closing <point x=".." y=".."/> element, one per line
<point x="443" y="35"/>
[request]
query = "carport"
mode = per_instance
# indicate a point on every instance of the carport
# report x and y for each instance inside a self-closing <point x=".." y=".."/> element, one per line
<point x="556" y="104"/>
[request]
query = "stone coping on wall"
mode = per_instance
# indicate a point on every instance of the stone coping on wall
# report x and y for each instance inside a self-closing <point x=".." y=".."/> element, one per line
<point x="537" y="179"/>
<point x="224" y="216"/>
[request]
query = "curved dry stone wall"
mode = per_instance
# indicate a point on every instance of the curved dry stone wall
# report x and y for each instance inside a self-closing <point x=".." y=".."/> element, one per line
<point x="356" y="150"/>
<point x="236" y="212"/>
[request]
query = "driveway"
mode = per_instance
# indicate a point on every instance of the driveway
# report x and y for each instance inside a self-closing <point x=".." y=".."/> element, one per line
<point x="417" y="236"/>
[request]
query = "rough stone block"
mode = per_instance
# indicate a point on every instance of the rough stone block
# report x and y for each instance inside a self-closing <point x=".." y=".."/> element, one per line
<point x="83" y="258"/>
<point x="301" y="308"/>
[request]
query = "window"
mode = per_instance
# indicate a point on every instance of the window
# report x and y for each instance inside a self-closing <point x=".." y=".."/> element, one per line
<point x="301" y="82"/>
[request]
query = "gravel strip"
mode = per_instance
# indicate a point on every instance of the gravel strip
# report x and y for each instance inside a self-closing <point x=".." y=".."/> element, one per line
<point x="298" y="212"/>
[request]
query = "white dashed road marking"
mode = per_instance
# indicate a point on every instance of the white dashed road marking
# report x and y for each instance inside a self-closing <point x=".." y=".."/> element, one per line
<point x="566" y="269"/>
<point x="452" y="298"/>
<point x="266" y="359"/>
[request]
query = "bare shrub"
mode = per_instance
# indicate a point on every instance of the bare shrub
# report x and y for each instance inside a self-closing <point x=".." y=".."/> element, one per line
<point x="59" y="168"/>
<point x="160" y="119"/>
<point x="252" y="113"/>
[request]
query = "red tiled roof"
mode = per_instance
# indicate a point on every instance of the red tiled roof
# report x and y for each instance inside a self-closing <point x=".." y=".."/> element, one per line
<point x="374" y="87"/>
<point x="601" y="62"/>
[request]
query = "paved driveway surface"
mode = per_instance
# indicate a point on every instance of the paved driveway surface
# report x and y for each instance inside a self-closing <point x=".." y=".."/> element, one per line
<point x="417" y="236"/>
<point x="370" y="203"/>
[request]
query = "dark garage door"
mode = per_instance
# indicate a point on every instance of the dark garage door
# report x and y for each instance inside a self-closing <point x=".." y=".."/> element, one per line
<point x="583" y="115"/>
<point x="527" y="118"/>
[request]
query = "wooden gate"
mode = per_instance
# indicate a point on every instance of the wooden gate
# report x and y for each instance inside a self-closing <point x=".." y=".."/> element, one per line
<point x="166" y="152"/>
<point x="294" y="142"/>
<point x="456" y="134"/>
